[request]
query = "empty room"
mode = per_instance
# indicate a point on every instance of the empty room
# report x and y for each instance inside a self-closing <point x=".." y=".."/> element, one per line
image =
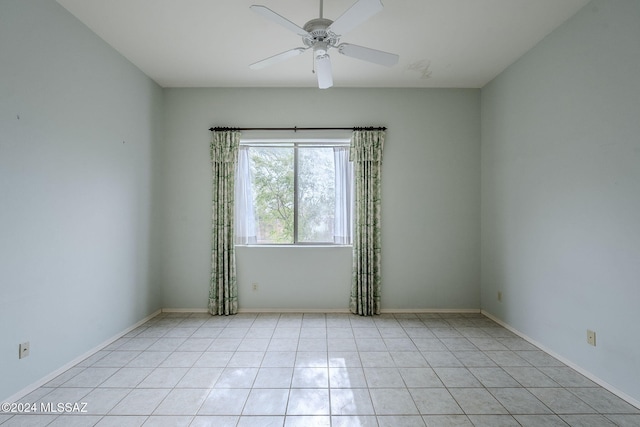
<point x="326" y="213"/>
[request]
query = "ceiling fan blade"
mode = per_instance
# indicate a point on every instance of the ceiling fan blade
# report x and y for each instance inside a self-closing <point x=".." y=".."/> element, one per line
<point x="271" y="15"/>
<point x="359" y="12"/>
<point x="367" y="54"/>
<point x="323" y="71"/>
<point x="277" y="58"/>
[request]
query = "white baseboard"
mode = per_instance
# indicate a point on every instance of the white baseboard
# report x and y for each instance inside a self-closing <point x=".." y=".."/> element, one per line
<point x="42" y="381"/>
<point x="260" y="310"/>
<point x="430" y="310"/>
<point x="567" y="362"/>
<point x="327" y="310"/>
<point x="293" y="310"/>
<point x="184" y="310"/>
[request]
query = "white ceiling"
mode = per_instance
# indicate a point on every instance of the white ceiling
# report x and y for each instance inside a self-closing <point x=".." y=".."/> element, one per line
<point x="210" y="43"/>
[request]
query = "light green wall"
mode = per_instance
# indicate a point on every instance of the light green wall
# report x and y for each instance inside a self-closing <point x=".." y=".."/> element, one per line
<point x="75" y="201"/>
<point x="561" y="192"/>
<point x="430" y="196"/>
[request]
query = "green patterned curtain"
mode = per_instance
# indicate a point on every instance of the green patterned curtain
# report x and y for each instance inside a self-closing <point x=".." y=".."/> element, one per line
<point x="223" y="291"/>
<point x="366" y="155"/>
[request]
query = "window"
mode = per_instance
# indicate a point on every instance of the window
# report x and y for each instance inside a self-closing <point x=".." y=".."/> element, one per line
<point x="294" y="193"/>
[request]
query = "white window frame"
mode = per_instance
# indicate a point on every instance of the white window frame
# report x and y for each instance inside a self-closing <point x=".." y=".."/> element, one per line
<point x="295" y="143"/>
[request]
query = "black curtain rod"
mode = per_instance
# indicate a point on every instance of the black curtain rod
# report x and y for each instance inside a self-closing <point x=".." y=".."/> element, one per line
<point x="295" y="128"/>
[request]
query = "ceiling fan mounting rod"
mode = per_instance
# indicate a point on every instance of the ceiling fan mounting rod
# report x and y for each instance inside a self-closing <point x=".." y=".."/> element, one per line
<point x="321" y="2"/>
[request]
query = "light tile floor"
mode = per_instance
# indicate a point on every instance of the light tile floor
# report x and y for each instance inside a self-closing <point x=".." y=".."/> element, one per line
<point x="339" y="370"/>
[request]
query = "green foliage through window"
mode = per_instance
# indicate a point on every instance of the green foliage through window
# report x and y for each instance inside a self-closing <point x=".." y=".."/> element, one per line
<point x="294" y="193"/>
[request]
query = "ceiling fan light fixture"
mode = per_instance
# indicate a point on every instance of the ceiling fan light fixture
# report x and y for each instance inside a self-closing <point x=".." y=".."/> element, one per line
<point x="323" y="71"/>
<point x="320" y="49"/>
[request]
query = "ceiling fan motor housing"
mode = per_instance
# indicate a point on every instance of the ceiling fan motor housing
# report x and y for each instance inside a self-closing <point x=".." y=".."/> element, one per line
<point x="320" y="39"/>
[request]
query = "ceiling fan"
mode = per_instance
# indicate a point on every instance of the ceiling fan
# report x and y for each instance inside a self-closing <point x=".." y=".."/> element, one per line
<point x="322" y="34"/>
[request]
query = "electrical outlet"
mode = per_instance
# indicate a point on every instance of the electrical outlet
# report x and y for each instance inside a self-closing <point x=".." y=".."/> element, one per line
<point x="499" y="296"/>
<point x="254" y="286"/>
<point x="591" y="337"/>
<point x="23" y="350"/>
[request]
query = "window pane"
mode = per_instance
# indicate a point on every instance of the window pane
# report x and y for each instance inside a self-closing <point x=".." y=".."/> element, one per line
<point x="272" y="170"/>
<point x="316" y="194"/>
